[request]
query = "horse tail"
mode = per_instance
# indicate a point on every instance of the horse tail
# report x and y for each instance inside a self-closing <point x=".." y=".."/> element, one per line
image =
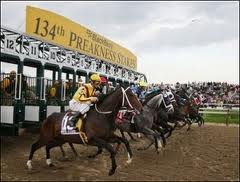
<point x="48" y="129"/>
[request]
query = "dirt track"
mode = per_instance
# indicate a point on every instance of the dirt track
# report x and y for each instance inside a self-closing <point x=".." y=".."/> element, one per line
<point x="208" y="153"/>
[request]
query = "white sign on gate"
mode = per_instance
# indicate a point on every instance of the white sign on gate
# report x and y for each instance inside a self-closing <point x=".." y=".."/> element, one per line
<point x="53" y="55"/>
<point x="126" y="75"/>
<point x="103" y="68"/>
<point x="119" y="72"/>
<point x="111" y="71"/>
<point x="10" y="44"/>
<point x="93" y="66"/>
<point x="33" y="50"/>
<point x="68" y="59"/>
<point x="82" y="63"/>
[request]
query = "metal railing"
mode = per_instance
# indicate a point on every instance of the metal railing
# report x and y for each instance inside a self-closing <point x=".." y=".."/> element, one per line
<point x="219" y="110"/>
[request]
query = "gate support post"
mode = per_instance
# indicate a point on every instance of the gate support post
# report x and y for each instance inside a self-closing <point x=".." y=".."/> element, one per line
<point x="19" y="109"/>
<point x="42" y="103"/>
<point x="60" y="78"/>
<point x="74" y="82"/>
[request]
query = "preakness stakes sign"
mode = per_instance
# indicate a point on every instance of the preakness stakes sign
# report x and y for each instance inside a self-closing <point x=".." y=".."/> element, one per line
<point x="62" y="31"/>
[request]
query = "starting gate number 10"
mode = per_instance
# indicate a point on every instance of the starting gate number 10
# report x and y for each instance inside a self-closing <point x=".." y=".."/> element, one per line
<point x="46" y="29"/>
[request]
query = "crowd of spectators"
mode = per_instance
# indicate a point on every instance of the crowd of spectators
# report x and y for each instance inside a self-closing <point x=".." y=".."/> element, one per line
<point x="213" y="92"/>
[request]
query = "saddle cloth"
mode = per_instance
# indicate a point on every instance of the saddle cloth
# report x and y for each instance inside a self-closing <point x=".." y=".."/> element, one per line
<point x="124" y="116"/>
<point x="66" y="129"/>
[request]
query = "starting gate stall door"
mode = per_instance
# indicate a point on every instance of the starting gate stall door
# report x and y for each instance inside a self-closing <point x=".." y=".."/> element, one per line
<point x="31" y="92"/>
<point x="80" y="80"/>
<point x="53" y="95"/>
<point x="10" y="95"/>
<point x="111" y="84"/>
<point x="68" y="87"/>
<point x="52" y="87"/>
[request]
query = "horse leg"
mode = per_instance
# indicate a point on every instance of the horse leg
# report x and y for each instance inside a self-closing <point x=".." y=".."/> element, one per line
<point x="122" y="133"/>
<point x="73" y="149"/>
<point x="103" y="144"/>
<point x="158" y="129"/>
<point x="100" y="148"/>
<point x="63" y="152"/>
<point x="98" y="152"/>
<point x="129" y="151"/>
<point x="200" y="121"/>
<point x="148" y="132"/>
<point x="189" y="123"/>
<point x="147" y="147"/>
<point x="132" y="138"/>
<point x="169" y="132"/>
<point x="34" y="147"/>
<point x="53" y="143"/>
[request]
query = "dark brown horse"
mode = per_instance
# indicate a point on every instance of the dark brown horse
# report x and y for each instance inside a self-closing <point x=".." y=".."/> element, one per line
<point x="99" y="127"/>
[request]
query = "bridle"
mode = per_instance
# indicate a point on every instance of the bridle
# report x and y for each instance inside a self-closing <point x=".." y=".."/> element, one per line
<point x="125" y="97"/>
<point x="168" y="107"/>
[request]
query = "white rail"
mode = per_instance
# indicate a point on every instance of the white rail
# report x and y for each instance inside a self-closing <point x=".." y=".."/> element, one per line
<point x="219" y="110"/>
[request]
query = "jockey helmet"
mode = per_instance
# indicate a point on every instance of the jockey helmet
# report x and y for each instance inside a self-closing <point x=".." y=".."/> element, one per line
<point x="142" y="84"/>
<point x="95" y="78"/>
<point x="103" y="79"/>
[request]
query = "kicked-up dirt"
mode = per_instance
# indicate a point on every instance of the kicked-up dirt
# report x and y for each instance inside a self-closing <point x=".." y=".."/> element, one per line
<point x="203" y="153"/>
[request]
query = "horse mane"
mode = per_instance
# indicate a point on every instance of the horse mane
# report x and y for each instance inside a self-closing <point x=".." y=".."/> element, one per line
<point x="102" y="97"/>
<point x="150" y="96"/>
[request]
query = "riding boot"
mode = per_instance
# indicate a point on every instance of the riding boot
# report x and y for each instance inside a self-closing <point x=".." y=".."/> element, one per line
<point x="74" y="119"/>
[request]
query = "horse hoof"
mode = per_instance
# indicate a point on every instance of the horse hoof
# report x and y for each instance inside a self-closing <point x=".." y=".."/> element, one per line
<point x="158" y="150"/>
<point x="51" y="165"/>
<point x="111" y="172"/>
<point x="129" y="161"/>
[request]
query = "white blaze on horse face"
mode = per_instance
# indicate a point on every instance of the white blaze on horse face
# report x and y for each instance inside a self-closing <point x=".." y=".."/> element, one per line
<point x="29" y="164"/>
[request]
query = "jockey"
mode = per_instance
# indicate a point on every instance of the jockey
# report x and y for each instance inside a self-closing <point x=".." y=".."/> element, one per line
<point x="104" y="85"/>
<point x="84" y="97"/>
<point x="141" y="90"/>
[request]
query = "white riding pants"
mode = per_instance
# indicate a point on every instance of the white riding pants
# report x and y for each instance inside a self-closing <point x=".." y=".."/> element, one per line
<point x="80" y="107"/>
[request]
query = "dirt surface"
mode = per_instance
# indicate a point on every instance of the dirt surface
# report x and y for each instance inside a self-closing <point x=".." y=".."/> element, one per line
<point x="207" y="153"/>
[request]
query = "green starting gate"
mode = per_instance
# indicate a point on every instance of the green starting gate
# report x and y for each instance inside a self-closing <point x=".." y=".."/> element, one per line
<point x="30" y="100"/>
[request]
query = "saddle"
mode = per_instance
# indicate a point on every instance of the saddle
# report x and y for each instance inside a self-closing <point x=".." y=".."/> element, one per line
<point x="72" y="124"/>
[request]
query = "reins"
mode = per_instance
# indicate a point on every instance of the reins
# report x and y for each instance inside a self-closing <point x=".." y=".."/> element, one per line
<point x="123" y="102"/>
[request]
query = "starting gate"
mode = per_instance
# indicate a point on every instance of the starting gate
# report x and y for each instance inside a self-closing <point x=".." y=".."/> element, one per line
<point x="33" y="98"/>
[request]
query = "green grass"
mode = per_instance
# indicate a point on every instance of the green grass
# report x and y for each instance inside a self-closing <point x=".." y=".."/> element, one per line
<point x="221" y="118"/>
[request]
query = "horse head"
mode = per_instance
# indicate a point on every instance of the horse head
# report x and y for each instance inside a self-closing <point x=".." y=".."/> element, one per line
<point x="161" y="100"/>
<point x="119" y="98"/>
<point x="167" y="102"/>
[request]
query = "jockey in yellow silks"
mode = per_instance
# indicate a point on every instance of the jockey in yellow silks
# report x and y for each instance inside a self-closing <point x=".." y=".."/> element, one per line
<point x="85" y="96"/>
